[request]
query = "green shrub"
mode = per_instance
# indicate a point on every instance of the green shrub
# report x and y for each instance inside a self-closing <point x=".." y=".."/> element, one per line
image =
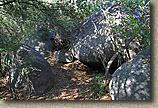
<point x="96" y="87"/>
<point x="136" y="23"/>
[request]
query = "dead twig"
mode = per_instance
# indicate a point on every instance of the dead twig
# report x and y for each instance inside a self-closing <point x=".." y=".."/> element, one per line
<point x="116" y="54"/>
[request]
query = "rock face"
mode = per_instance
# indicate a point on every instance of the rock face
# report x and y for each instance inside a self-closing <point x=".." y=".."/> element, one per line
<point x="131" y="81"/>
<point x="29" y="70"/>
<point x="62" y="56"/>
<point x="40" y="43"/>
<point x="94" y="37"/>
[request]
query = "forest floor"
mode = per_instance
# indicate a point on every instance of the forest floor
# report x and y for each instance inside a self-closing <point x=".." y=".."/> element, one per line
<point x="69" y="82"/>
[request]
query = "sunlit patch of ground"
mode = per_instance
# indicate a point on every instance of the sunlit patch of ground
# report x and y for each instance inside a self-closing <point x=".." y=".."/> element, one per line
<point x="69" y="82"/>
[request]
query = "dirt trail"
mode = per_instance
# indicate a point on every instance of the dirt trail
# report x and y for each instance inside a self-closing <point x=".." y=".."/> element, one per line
<point x="69" y="82"/>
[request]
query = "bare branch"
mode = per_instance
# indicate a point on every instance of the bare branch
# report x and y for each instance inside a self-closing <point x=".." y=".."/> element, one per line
<point x="116" y="54"/>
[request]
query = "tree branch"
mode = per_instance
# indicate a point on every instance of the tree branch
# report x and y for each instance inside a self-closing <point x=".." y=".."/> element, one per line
<point x="7" y="3"/>
<point x="116" y="54"/>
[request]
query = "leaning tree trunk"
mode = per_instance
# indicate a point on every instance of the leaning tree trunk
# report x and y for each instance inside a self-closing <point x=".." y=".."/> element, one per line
<point x="0" y="64"/>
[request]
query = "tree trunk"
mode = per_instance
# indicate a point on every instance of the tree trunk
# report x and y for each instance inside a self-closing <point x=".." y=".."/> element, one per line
<point x="0" y="64"/>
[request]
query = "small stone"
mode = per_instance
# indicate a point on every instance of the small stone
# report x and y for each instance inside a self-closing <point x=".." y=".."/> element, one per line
<point x="41" y="98"/>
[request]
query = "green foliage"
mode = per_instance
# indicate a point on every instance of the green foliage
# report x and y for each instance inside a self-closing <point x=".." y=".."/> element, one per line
<point x="20" y="18"/>
<point x="137" y="21"/>
<point x="96" y="87"/>
<point x="24" y="70"/>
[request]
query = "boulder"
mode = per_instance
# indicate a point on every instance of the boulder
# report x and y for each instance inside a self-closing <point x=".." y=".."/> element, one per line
<point x="28" y="70"/>
<point x="131" y="81"/>
<point x="95" y="37"/>
<point x="62" y="56"/>
<point x="41" y="42"/>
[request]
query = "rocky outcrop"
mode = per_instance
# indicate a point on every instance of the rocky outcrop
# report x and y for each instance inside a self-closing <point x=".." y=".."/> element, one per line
<point x="44" y="41"/>
<point x="62" y="56"/>
<point x="95" y="36"/>
<point x="29" y="71"/>
<point x="131" y="81"/>
<point x="40" y="43"/>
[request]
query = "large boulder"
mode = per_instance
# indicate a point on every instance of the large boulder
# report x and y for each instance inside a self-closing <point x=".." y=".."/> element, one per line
<point x="28" y="70"/>
<point x="131" y="81"/>
<point x="62" y="56"/>
<point x="95" y="36"/>
<point x="41" y="42"/>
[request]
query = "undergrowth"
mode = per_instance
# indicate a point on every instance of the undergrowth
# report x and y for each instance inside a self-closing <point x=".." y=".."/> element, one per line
<point x="96" y="87"/>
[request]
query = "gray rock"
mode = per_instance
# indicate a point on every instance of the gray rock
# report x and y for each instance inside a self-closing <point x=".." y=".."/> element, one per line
<point x="41" y="44"/>
<point x="62" y="56"/>
<point x="28" y="70"/>
<point x="95" y="37"/>
<point x="131" y="81"/>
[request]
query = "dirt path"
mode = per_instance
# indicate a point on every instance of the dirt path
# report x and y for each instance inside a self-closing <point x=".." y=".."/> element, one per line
<point x="69" y="82"/>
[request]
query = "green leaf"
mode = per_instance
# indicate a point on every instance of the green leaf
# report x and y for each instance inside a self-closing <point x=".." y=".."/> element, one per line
<point x="2" y="49"/>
